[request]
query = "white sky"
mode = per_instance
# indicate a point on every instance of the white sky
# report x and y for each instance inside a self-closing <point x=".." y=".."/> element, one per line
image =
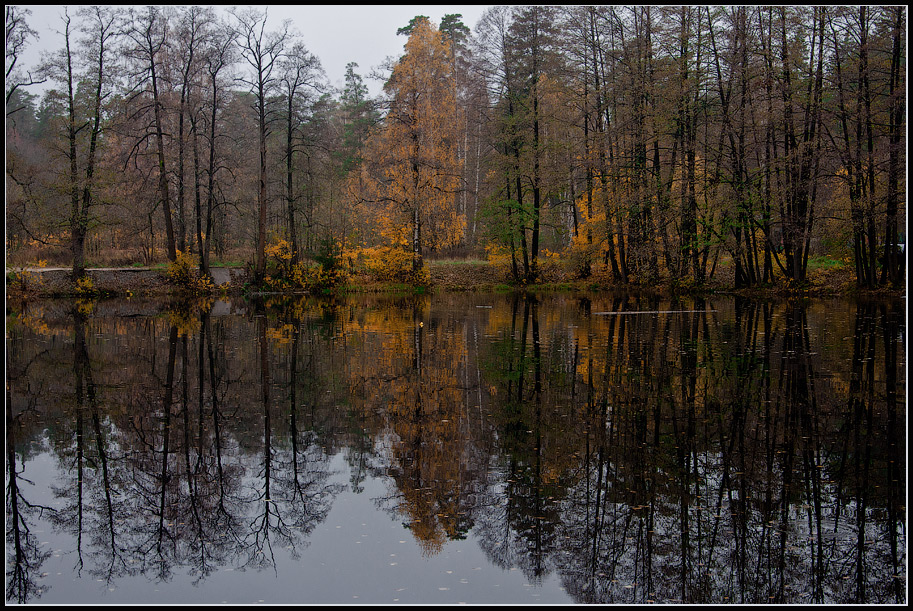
<point x="337" y="34"/>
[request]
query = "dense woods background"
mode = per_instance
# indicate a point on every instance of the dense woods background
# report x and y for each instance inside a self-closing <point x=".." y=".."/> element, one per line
<point x="644" y="144"/>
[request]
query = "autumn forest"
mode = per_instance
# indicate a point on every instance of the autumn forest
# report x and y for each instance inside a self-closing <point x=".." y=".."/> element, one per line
<point x="642" y="145"/>
<point x="565" y="304"/>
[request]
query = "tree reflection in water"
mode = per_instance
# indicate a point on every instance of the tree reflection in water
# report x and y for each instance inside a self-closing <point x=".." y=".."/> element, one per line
<point x="640" y="449"/>
<point x="24" y="558"/>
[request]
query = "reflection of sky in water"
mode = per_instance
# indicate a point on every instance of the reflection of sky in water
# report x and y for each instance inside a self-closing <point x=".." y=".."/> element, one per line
<point x="712" y="452"/>
<point x="359" y="555"/>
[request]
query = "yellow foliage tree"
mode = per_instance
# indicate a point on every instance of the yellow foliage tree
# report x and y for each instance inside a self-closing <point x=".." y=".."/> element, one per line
<point x="410" y="174"/>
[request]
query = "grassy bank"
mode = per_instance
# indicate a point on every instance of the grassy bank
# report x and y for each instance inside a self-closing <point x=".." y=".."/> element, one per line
<point x="826" y="277"/>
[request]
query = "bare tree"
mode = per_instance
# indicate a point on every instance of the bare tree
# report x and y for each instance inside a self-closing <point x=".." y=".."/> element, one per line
<point x="219" y="57"/>
<point x="262" y="51"/>
<point x="300" y="73"/>
<point x="187" y="45"/>
<point x="149" y="33"/>
<point x="100" y="26"/>
<point x="18" y="34"/>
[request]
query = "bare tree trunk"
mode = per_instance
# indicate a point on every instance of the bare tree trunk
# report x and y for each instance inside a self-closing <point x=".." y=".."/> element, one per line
<point x="163" y="177"/>
<point x="214" y="66"/>
<point x="893" y="258"/>
<point x="197" y="199"/>
<point x="79" y="211"/>
<point x="182" y="218"/>
<point x="151" y="47"/>
<point x="289" y="193"/>
<point x="533" y="273"/>
<point x="261" y="50"/>
<point x="77" y="227"/>
<point x="261" y="191"/>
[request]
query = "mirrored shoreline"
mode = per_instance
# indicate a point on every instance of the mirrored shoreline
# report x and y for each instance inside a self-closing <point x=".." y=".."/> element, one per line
<point x="608" y="449"/>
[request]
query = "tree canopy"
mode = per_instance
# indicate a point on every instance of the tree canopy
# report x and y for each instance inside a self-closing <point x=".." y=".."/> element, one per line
<point x="635" y="144"/>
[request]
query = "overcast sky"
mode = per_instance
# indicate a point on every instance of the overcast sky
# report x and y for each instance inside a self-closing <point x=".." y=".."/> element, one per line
<point x="365" y="34"/>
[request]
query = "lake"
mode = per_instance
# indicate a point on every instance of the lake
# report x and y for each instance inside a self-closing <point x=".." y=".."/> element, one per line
<point x="461" y="447"/>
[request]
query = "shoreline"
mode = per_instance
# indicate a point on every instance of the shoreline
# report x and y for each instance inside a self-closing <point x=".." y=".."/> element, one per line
<point x="26" y="283"/>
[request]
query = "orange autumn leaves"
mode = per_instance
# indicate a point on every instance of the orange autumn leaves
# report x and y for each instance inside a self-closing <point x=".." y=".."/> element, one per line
<point x="405" y="190"/>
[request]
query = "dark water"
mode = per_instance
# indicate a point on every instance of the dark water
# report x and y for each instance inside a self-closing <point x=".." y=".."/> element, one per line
<point x="457" y="448"/>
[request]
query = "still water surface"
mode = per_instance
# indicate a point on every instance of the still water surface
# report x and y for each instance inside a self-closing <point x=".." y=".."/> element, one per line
<point x="456" y="448"/>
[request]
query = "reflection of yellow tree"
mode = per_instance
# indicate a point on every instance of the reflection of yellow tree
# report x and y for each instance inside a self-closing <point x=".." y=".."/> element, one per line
<point x="428" y="447"/>
<point x="413" y="359"/>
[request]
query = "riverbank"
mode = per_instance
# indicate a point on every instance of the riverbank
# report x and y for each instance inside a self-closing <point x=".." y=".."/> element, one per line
<point x="57" y="281"/>
<point x="443" y="276"/>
